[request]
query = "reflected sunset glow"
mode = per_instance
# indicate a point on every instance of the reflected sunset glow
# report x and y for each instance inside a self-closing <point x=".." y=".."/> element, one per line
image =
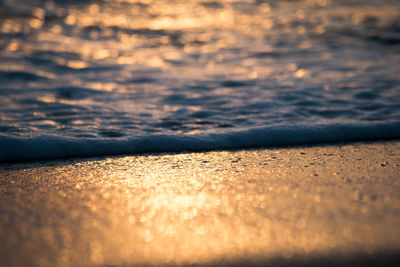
<point x="190" y="67"/>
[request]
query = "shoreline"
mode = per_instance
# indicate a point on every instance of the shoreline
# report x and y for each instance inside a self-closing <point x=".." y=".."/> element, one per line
<point x="330" y="204"/>
<point x="52" y="147"/>
<point x="75" y="159"/>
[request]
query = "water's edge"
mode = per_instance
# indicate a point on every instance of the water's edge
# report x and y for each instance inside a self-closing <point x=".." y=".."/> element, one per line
<point x="13" y="149"/>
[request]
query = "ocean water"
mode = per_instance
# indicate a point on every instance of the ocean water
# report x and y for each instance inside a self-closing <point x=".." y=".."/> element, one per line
<point x="82" y="78"/>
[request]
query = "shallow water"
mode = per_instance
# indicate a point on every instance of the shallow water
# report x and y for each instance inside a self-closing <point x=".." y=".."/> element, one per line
<point x="120" y="70"/>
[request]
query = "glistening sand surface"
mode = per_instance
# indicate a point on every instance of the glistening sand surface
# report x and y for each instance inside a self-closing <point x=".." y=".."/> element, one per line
<point x="331" y="204"/>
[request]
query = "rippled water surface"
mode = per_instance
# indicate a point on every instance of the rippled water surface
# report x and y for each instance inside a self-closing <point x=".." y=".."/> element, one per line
<point x="117" y="69"/>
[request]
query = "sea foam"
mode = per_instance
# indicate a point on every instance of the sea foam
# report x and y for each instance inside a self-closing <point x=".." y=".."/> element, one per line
<point x="52" y="147"/>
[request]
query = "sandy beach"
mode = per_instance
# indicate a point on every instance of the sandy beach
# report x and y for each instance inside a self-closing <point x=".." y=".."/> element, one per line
<point x="332" y="205"/>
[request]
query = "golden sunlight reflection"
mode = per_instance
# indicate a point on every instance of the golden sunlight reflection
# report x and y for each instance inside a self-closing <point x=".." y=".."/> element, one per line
<point x="193" y="36"/>
<point x="119" y="33"/>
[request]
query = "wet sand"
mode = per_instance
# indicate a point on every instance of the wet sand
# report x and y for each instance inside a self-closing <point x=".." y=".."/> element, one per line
<point x="333" y="205"/>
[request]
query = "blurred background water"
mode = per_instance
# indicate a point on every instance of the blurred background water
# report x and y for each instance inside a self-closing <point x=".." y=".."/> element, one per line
<point x="124" y="68"/>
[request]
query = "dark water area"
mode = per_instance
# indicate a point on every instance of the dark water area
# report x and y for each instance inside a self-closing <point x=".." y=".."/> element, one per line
<point x="195" y="72"/>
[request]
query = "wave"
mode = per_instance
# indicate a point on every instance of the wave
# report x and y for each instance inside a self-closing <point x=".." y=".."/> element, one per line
<point x="14" y="149"/>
